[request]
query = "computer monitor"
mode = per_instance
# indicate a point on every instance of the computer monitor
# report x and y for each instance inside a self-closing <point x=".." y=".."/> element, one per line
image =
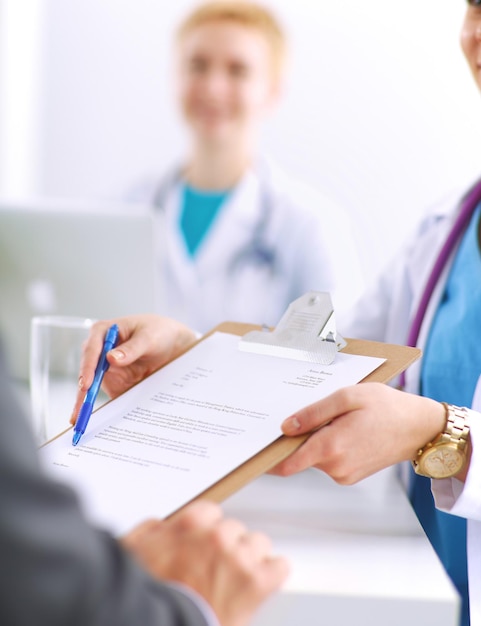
<point x="91" y="259"/>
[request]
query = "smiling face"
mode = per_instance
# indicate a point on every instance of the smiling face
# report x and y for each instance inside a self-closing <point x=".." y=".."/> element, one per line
<point x="471" y="38"/>
<point x="226" y="80"/>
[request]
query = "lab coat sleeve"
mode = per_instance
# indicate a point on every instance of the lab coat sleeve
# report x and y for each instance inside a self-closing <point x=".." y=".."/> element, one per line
<point x="454" y="497"/>
<point x="463" y="499"/>
<point x="450" y="494"/>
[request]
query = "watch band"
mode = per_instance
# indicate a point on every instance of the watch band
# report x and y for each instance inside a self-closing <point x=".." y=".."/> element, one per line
<point x="455" y="433"/>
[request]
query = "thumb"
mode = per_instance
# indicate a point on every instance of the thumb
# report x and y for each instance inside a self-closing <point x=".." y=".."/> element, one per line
<point x="311" y="417"/>
<point x="324" y="411"/>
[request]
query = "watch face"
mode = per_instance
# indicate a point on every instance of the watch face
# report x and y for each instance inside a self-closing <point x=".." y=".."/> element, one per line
<point x="442" y="462"/>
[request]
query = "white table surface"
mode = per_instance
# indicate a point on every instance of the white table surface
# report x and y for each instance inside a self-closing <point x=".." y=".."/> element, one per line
<point x="358" y="554"/>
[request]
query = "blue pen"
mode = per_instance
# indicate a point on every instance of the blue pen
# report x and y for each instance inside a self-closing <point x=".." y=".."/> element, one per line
<point x="86" y="409"/>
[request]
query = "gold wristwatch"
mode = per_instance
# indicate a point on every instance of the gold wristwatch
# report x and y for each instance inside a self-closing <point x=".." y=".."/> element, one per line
<point x="446" y="455"/>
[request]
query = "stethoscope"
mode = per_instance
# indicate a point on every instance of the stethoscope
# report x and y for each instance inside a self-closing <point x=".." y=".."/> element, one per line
<point x="467" y="208"/>
<point x="257" y="252"/>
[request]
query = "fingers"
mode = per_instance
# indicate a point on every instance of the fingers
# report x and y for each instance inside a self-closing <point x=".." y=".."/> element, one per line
<point x="263" y="571"/>
<point x="276" y="571"/>
<point x="194" y="518"/>
<point x="137" y="346"/>
<point x="91" y="352"/>
<point x="138" y="534"/>
<point x="232" y="568"/>
<point x="199" y="514"/>
<point x="76" y="408"/>
<point x="150" y="338"/>
<point x="227" y="535"/>
<point x="249" y="554"/>
<point x="253" y="546"/>
<point x="146" y="342"/>
<point x="224" y="533"/>
<point x="90" y="355"/>
<point x="254" y="568"/>
<point x="334" y="423"/>
<point x="360" y="430"/>
<point x="310" y="454"/>
<point x="310" y="419"/>
<point x="322" y="412"/>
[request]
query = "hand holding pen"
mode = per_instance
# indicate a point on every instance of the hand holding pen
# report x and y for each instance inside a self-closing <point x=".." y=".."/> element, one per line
<point x="86" y="409"/>
<point x="146" y="342"/>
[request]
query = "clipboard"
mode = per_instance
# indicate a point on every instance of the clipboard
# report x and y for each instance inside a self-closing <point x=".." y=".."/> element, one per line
<point x="395" y="359"/>
<point x="398" y="358"/>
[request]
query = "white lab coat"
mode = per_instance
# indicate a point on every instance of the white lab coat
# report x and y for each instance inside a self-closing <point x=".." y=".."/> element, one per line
<point x="385" y="311"/>
<point x="311" y="236"/>
<point x="384" y="314"/>
<point x="465" y="500"/>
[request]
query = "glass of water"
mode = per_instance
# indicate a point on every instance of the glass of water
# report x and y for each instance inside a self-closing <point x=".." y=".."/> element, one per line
<point x="55" y="350"/>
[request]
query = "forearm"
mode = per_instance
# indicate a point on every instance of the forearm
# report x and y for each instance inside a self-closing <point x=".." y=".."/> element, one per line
<point x="55" y="568"/>
<point x="73" y="574"/>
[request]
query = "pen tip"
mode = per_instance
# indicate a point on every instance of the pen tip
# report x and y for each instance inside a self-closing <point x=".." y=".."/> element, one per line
<point x="76" y="438"/>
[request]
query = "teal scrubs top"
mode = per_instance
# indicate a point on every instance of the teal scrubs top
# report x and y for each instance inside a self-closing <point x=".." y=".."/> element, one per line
<point x="198" y="212"/>
<point x="450" y="371"/>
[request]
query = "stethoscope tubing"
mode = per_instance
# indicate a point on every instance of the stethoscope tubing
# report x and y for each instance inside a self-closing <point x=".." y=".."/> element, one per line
<point x="258" y="251"/>
<point x="467" y="207"/>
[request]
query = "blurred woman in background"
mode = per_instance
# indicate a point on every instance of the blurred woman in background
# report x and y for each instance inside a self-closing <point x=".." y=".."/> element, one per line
<point x="241" y="239"/>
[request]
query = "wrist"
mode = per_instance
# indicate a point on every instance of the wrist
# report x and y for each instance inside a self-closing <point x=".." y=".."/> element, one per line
<point x="426" y="419"/>
<point x="447" y="454"/>
<point x="433" y="418"/>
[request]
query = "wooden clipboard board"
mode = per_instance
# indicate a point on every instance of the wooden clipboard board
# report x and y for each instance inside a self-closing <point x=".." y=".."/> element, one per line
<point x="398" y="358"/>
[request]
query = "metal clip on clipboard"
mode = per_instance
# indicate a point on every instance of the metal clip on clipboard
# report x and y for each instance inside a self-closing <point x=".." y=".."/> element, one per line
<point x="306" y="332"/>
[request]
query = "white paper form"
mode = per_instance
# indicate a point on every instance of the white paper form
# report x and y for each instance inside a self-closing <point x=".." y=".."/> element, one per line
<point x="153" y="449"/>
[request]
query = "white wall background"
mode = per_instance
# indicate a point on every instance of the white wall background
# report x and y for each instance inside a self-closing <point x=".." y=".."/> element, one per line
<point x="379" y="108"/>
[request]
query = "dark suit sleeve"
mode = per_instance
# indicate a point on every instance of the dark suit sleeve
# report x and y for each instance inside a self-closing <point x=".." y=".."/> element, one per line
<point x="55" y="568"/>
